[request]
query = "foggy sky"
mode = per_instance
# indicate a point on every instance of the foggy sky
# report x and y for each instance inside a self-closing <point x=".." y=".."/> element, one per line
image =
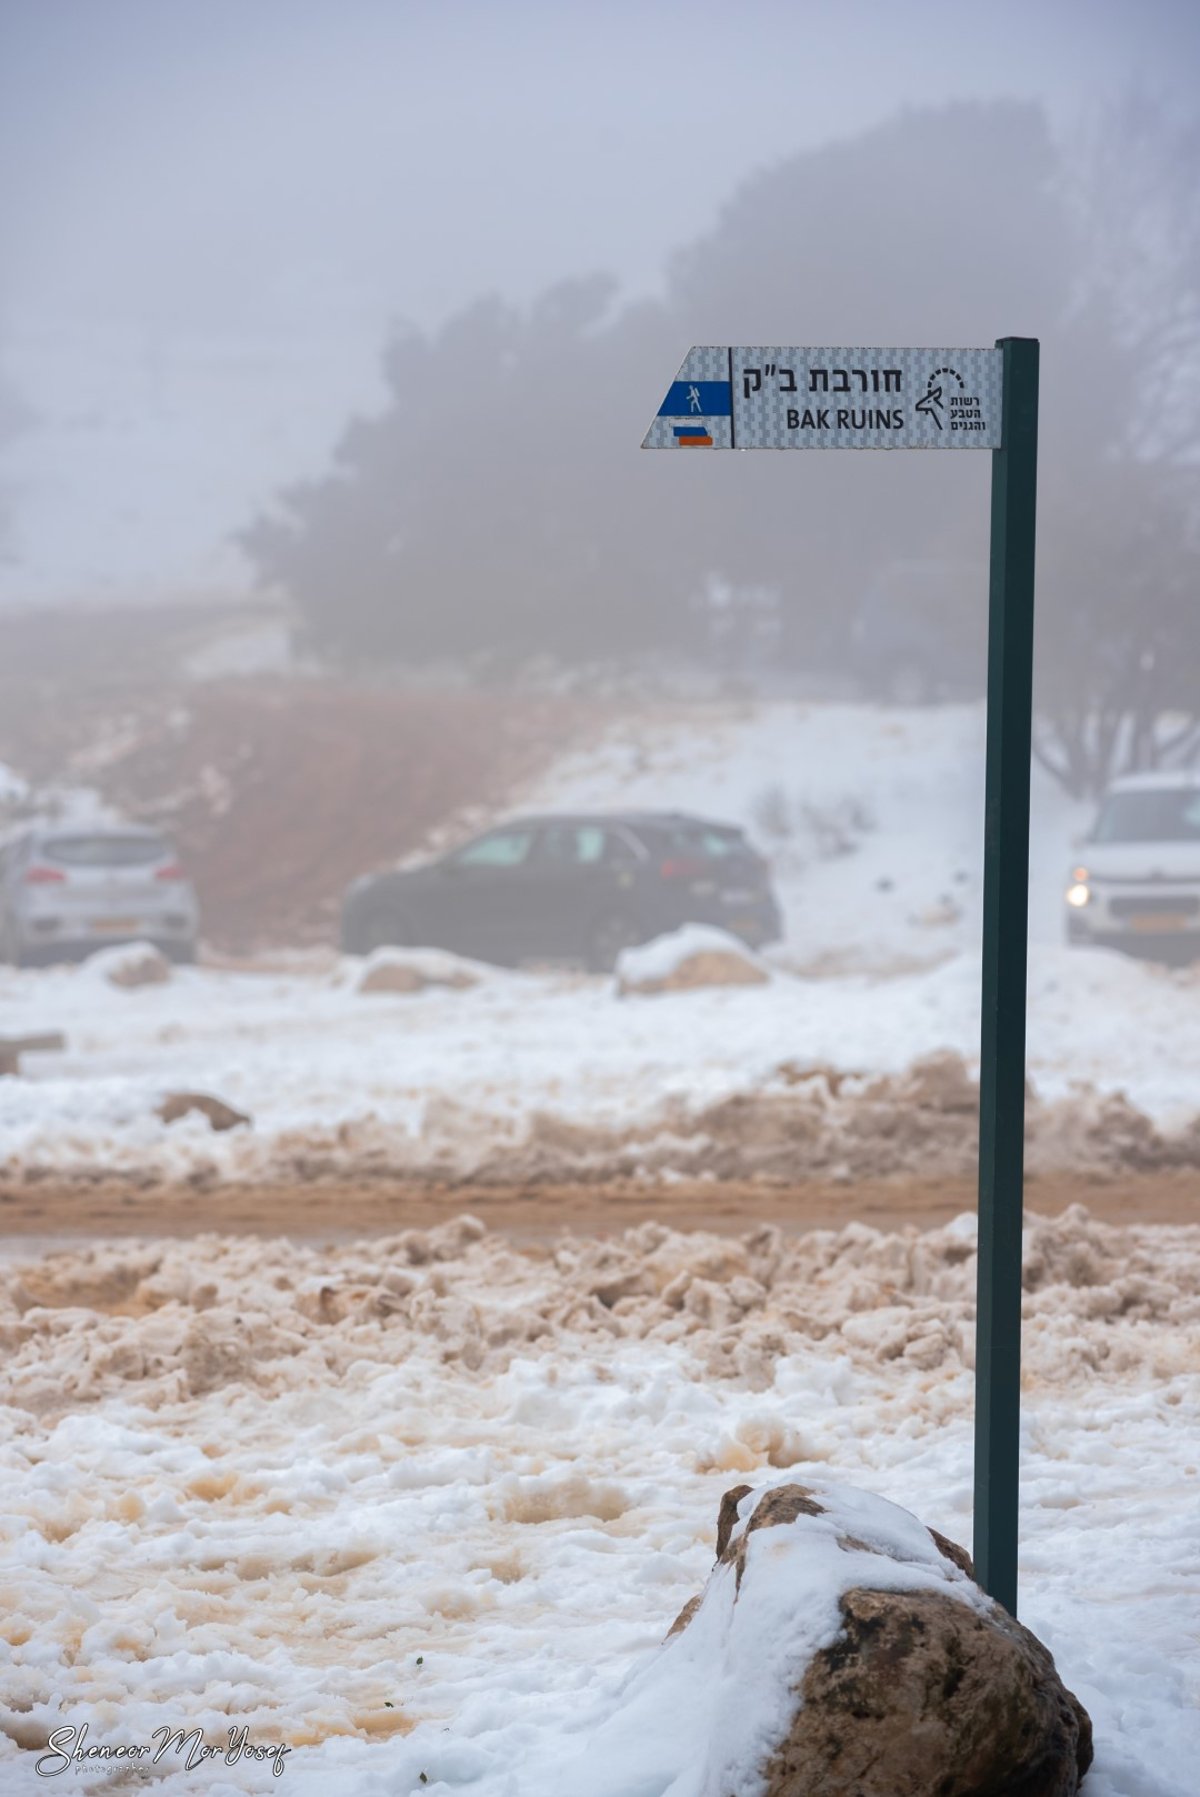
<point x="214" y="209"/>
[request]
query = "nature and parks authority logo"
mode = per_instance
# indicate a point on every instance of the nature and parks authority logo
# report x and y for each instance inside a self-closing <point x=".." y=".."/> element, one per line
<point x="947" y="404"/>
<point x="67" y="1749"/>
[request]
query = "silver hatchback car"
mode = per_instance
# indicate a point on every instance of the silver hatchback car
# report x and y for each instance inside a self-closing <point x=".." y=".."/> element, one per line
<point x="68" y="889"/>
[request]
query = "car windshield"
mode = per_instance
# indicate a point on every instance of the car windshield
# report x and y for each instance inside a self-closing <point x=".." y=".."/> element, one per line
<point x="504" y="848"/>
<point x="1156" y="814"/>
<point x="106" y="851"/>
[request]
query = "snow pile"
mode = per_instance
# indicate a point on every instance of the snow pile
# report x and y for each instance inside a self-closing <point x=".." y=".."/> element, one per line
<point x="429" y="1504"/>
<point x="544" y="1077"/>
<point x="181" y="1317"/>
<point x="696" y="955"/>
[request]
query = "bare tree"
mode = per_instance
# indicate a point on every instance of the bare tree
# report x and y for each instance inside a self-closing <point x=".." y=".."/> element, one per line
<point x="1119" y="643"/>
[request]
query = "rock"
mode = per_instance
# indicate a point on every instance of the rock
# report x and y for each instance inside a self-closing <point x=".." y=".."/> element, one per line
<point x="922" y="1695"/>
<point x="391" y="976"/>
<point x="933" y="917"/>
<point x="220" y="1115"/>
<point x="397" y="970"/>
<point x="132" y="964"/>
<point x="696" y="955"/>
<point x="932" y="1690"/>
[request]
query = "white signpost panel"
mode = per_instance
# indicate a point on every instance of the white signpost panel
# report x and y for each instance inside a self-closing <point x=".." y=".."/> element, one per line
<point x="779" y="397"/>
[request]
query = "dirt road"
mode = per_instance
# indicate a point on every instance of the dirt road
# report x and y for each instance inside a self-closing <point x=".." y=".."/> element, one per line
<point x="51" y="1210"/>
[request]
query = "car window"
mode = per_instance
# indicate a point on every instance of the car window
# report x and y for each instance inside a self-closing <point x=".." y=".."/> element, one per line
<point x="105" y="851"/>
<point x="618" y="850"/>
<point x="1156" y="814"/>
<point x="573" y="845"/>
<point x="707" y="840"/>
<point x="503" y="848"/>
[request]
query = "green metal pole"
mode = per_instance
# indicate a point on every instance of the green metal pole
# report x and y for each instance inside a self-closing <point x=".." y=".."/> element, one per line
<point x="1005" y="936"/>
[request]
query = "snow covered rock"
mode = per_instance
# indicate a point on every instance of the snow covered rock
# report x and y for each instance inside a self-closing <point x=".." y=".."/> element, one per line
<point x="848" y="1652"/>
<point x="412" y="970"/>
<point x="130" y="964"/>
<point x="696" y="955"/>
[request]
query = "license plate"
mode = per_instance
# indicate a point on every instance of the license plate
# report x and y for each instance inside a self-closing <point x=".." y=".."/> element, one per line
<point x="738" y="898"/>
<point x="1150" y="923"/>
<point x="112" y="925"/>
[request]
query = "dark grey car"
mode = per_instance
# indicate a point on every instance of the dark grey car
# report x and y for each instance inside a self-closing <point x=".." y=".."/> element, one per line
<point x="569" y="888"/>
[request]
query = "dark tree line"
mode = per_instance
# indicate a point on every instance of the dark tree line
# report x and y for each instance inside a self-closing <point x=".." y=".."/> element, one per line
<point x="499" y="508"/>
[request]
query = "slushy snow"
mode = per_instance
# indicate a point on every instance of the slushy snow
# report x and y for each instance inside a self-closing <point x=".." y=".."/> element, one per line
<point x="430" y="1505"/>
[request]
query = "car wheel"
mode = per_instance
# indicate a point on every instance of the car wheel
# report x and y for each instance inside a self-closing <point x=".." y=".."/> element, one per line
<point x="610" y="936"/>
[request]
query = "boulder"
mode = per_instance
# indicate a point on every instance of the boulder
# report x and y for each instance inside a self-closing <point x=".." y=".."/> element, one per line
<point x="220" y="1115"/>
<point x="922" y="1687"/>
<point x="131" y="964"/>
<point x="398" y="970"/>
<point x="921" y="1695"/>
<point x="694" y="956"/>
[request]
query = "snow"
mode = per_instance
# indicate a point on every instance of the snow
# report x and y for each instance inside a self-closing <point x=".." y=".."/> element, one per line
<point x="428" y="1505"/>
<point x="450" y="1080"/>
<point x="287" y="1487"/>
<point x="665" y="955"/>
<point x="877" y="843"/>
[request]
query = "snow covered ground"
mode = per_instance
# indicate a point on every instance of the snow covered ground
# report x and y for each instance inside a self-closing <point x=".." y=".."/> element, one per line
<point x="422" y="1510"/>
<point x="876" y="845"/>
<point x="450" y="1080"/>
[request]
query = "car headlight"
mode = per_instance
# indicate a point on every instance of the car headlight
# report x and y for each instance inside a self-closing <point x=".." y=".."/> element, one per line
<point x="1079" y="893"/>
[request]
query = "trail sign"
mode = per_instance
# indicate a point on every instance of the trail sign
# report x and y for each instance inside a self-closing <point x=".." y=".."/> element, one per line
<point x="789" y="398"/>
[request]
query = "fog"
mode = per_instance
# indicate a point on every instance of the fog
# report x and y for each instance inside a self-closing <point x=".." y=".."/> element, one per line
<point x="215" y="215"/>
<point x="532" y="890"/>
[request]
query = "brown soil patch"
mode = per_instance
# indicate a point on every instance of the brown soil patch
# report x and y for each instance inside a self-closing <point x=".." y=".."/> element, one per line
<point x="343" y="1210"/>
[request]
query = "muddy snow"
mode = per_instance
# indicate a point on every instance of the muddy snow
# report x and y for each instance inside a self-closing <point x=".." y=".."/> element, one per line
<point x="424" y="1504"/>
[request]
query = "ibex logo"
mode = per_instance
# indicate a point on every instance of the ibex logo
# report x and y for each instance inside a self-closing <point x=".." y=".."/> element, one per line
<point x="933" y="402"/>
